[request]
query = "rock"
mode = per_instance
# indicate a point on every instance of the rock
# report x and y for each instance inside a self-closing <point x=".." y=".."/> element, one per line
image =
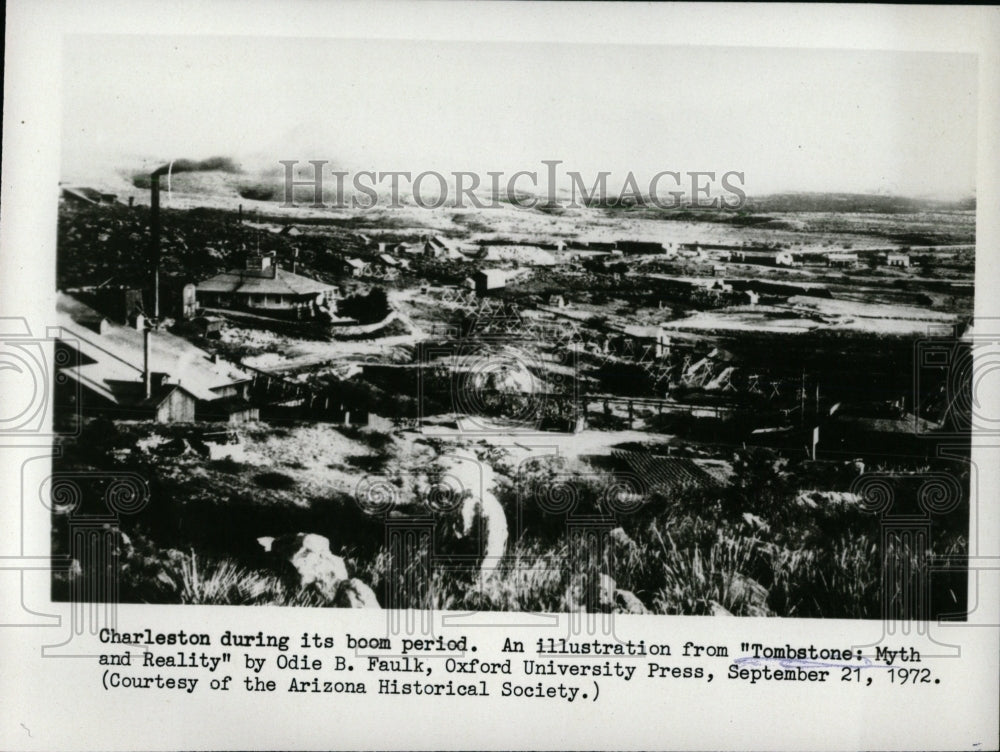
<point x="748" y="595"/>
<point x="310" y="557"/>
<point x="484" y="517"/>
<point x="755" y="522"/>
<point x="627" y="602"/>
<point x="828" y="501"/>
<point x="166" y="580"/>
<point x="118" y="544"/>
<point x="591" y="592"/>
<point x="458" y="487"/>
<point x="353" y="593"/>
<point x="178" y="447"/>
<point x="719" y="610"/>
<point x="622" y="539"/>
<point x="151" y="442"/>
<point x="235" y="452"/>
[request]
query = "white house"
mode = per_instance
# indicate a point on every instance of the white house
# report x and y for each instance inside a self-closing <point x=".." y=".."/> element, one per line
<point x="262" y="285"/>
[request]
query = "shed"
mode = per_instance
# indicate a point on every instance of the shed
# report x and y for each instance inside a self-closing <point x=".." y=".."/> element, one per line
<point x="172" y="404"/>
<point x="355" y="267"/>
<point x="842" y="259"/>
<point x="490" y="280"/>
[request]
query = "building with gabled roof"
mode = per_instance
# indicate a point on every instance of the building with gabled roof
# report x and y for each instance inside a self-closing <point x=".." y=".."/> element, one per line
<point x="86" y="196"/>
<point x="126" y="373"/>
<point x="264" y="286"/>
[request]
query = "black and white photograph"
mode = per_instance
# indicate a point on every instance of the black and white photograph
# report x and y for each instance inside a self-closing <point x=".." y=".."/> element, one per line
<point x="675" y="346"/>
<point x="448" y="375"/>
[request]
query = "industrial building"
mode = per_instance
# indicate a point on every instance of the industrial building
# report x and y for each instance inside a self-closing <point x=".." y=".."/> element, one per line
<point x="639" y="247"/>
<point x="127" y="373"/>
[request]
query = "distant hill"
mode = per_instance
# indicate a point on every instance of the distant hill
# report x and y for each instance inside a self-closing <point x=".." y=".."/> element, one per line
<point x="852" y="202"/>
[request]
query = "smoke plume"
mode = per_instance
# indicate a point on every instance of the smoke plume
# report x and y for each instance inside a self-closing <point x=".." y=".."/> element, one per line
<point x="212" y="164"/>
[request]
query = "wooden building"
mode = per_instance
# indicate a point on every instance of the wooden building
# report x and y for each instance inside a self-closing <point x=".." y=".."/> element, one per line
<point x="263" y="286"/>
<point x="131" y="374"/>
<point x="490" y="281"/>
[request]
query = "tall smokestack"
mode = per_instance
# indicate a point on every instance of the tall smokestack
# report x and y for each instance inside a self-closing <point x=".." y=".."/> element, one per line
<point x="154" y="238"/>
<point x="147" y="372"/>
<point x="215" y="164"/>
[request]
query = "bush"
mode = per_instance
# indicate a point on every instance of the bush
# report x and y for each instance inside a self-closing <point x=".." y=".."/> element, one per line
<point x="842" y="581"/>
<point x="226" y="465"/>
<point x="274" y="481"/>
<point x="366" y="309"/>
<point x="225" y="583"/>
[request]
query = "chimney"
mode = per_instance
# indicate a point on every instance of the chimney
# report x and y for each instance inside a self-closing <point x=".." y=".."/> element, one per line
<point x="147" y="376"/>
<point x="131" y="201"/>
<point x="154" y="239"/>
<point x="241" y="214"/>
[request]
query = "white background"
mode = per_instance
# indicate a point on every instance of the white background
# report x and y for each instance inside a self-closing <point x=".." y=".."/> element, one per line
<point x="55" y="702"/>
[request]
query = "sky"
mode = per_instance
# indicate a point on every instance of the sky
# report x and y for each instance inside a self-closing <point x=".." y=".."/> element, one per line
<point x="789" y="119"/>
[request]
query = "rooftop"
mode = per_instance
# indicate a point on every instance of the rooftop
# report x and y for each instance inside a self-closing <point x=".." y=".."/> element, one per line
<point x="113" y="357"/>
<point x="273" y="281"/>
